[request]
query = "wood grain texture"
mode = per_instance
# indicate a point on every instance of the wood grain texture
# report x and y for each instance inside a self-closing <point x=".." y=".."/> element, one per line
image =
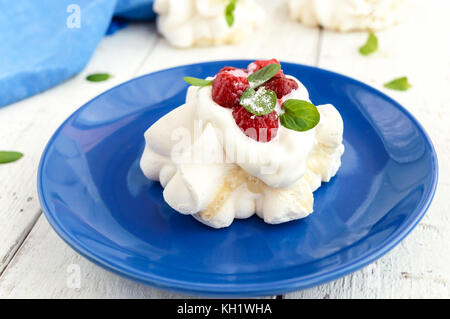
<point x="420" y="266"/>
<point x="44" y="268"/>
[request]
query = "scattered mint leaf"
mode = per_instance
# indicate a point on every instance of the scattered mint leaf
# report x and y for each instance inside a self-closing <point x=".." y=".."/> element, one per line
<point x="229" y="12"/>
<point x="370" y="46"/>
<point x="259" y="102"/>
<point x="400" y="84"/>
<point x="263" y="75"/>
<point x="8" y="157"/>
<point x="299" y="115"/>
<point x="197" y="82"/>
<point x="98" y="77"/>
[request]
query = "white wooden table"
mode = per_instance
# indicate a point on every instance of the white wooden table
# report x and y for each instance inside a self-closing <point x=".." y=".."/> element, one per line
<point x="36" y="263"/>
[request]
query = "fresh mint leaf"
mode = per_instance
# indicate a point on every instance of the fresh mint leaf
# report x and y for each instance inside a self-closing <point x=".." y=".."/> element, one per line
<point x="98" y="77"/>
<point x="229" y="12"/>
<point x="370" y="46"/>
<point x="400" y="84"/>
<point x="197" y="82"/>
<point x="263" y="75"/>
<point x="259" y="102"/>
<point x="8" y="157"/>
<point x="299" y="115"/>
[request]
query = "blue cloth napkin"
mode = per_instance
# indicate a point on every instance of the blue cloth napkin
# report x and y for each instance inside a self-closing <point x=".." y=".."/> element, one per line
<point x="45" y="42"/>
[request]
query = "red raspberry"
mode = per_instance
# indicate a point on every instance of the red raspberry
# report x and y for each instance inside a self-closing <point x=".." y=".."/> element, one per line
<point x="260" y="128"/>
<point x="228" y="86"/>
<point x="230" y="69"/>
<point x="281" y="85"/>
<point x="255" y="66"/>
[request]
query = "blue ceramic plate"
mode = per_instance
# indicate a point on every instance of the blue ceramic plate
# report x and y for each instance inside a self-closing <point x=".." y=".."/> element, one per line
<point x="97" y="199"/>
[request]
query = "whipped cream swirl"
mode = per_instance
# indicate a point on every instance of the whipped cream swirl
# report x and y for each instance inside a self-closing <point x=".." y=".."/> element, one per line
<point x="347" y="15"/>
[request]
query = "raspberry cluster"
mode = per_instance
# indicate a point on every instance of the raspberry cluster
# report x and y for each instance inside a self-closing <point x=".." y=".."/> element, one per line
<point x="228" y="87"/>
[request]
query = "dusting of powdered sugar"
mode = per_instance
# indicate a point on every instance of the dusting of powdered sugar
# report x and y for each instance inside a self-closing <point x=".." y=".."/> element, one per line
<point x="238" y="73"/>
<point x="254" y="102"/>
<point x="252" y="68"/>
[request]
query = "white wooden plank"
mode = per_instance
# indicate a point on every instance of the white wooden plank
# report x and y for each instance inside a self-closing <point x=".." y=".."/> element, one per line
<point x="46" y="267"/>
<point x="419" y="266"/>
<point x="26" y="126"/>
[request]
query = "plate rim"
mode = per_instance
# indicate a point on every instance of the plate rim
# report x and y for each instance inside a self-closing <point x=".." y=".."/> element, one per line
<point x="260" y="289"/>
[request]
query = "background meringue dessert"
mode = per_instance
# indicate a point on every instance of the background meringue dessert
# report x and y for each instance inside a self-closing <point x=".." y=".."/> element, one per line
<point x="186" y="23"/>
<point x="248" y="141"/>
<point x="347" y="15"/>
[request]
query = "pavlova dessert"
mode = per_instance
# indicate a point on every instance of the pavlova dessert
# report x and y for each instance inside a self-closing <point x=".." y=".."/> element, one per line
<point x="247" y="141"/>
<point x="186" y="23"/>
<point x="347" y="15"/>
